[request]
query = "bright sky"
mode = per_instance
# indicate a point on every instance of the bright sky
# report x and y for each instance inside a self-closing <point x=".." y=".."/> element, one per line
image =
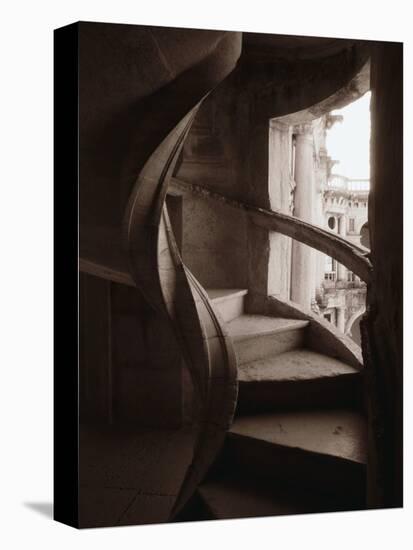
<point x="349" y="141"/>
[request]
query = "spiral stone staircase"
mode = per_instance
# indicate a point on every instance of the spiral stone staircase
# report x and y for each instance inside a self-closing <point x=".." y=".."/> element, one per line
<point x="298" y="440"/>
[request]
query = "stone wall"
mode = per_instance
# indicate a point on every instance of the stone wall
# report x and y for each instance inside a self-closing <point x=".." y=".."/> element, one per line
<point x="131" y="369"/>
<point x="214" y="244"/>
<point x="214" y="237"/>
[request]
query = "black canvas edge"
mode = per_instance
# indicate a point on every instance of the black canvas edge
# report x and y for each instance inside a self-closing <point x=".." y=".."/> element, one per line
<point x="66" y="303"/>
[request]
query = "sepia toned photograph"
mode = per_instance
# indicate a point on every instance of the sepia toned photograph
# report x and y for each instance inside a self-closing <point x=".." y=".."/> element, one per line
<point x="235" y="227"/>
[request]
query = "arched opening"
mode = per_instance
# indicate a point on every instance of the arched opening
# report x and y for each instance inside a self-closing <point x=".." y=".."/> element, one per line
<point x="307" y="181"/>
<point x="353" y="325"/>
<point x="365" y="235"/>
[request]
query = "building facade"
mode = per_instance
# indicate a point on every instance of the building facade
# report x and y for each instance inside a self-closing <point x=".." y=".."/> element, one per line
<point x="341" y="295"/>
<point x="333" y="202"/>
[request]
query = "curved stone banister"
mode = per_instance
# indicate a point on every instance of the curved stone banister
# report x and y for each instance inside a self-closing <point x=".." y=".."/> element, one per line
<point x="131" y="241"/>
<point x="169" y="286"/>
<point x="354" y="257"/>
<point x="156" y="267"/>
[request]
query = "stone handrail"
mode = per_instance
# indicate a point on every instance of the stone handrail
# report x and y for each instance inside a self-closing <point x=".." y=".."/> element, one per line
<point x="172" y="290"/>
<point x="352" y="256"/>
<point x="168" y="285"/>
<point x="135" y="246"/>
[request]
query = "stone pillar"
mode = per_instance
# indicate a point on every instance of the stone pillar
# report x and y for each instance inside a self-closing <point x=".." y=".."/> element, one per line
<point x="341" y="319"/>
<point x="320" y="218"/>
<point x="280" y="188"/>
<point x="303" y="270"/>
<point x="342" y="230"/>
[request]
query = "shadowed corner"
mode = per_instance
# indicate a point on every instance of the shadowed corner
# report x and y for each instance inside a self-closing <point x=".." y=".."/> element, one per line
<point x="43" y="508"/>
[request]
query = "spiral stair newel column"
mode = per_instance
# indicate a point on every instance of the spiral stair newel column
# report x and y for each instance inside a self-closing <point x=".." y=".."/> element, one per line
<point x="169" y="286"/>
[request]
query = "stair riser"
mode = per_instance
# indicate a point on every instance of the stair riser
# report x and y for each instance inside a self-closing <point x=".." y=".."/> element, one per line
<point x="321" y="473"/>
<point x="266" y="345"/>
<point x="230" y="308"/>
<point x="265" y="396"/>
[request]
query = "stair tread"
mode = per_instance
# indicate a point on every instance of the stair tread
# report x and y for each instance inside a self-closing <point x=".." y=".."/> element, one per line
<point x="241" y="497"/>
<point x="340" y="433"/>
<point x="221" y="294"/>
<point x="301" y="364"/>
<point x="247" y="326"/>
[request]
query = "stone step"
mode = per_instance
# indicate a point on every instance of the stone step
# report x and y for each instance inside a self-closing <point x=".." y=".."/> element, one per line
<point x="317" y="449"/>
<point x="258" y="336"/>
<point x="229" y="301"/>
<point x="295" y="380"/>
<point x="247" y="497"/>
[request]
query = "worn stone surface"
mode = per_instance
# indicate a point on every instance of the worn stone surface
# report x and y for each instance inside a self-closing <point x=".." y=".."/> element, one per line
<point x="323" y="450"/>
<point x="230" y="302"/>
<point x="248" y="326"/>
<point x="218" y="295"/>
<point x="294" y="365"/>
<point x="258" y="336"/>
<point x="321" y="336"/>
<point x="338" y="433"/>
<point x="297" y="380"/>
